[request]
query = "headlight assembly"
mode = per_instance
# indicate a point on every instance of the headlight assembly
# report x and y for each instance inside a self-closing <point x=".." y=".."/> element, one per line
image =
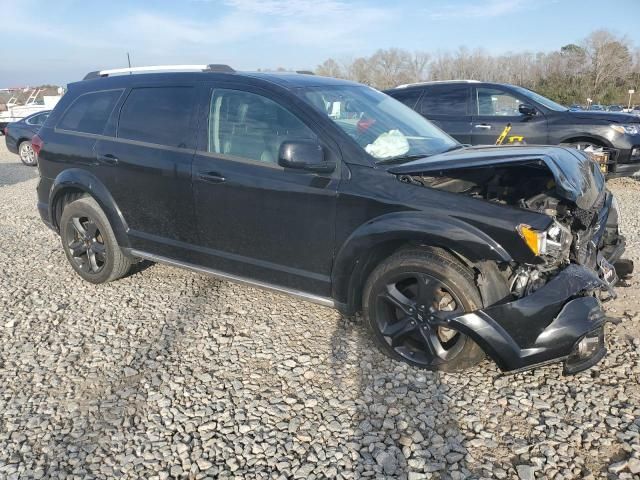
<point x="554" y="241"/>
<point x="629" y="129"/>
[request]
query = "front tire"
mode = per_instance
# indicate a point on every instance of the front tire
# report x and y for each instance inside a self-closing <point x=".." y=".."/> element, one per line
<point x="90" y="244"/>
<point x="27" y="154"/>
<point x="398" y="298"/>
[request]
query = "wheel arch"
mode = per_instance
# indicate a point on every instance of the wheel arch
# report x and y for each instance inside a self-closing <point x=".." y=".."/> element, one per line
<point x="587" y="137"/>
<point x="72" y="184"/>
<point x="375" y="241"/>
<point x="20" y="140"/>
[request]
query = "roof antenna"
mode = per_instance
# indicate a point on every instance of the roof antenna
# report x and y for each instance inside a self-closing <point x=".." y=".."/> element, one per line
<point x="129" y="61"/>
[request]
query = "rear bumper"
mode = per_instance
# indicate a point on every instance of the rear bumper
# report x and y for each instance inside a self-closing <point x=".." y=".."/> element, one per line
<point x="626" y="170"/>
<point x="627" y="161"/>
<point x="43" y="210"/>
<point x="12" y="144"/>
<point x="43" y="189"/>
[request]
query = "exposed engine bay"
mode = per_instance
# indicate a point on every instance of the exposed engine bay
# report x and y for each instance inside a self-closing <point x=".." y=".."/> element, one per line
<point x="575" y="235"/>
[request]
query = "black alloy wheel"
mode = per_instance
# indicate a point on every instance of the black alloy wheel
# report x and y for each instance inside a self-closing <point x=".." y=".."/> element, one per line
<point x="89" y="242"/>
<point x="405" y="301"/>
<point x="86" y="244"/>
<point x="406" y="318"/>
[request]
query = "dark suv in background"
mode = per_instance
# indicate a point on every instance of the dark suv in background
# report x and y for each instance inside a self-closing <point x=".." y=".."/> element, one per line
<point x="336" y="193"/>
<point x="476" y="113"/>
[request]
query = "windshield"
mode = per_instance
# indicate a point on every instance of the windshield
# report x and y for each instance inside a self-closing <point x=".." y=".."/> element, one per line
<point x="384" y="127"/>
<point x="550" y="104"/>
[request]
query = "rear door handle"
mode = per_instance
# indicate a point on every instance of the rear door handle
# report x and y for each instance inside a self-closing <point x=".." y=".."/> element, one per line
<point x="211" y="177"/>
<point x="483" y="126"/>
<point x="108" y="159"/>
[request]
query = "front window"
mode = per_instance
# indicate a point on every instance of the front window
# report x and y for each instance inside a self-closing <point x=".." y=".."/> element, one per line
<point x="497" y="103"/>
<point x="251" y="127"/>
<point x="536" y="97"/>
<point x="384" y="127"/>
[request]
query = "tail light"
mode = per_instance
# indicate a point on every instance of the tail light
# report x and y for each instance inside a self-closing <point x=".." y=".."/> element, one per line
<point x="5" y="130"/>
<point x="37" y="144"/>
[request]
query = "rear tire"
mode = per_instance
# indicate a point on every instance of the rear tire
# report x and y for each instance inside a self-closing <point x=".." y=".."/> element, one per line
<point x="27" y="154"/>
<point x="399" y="296"/>
<point x="89" y="242"/>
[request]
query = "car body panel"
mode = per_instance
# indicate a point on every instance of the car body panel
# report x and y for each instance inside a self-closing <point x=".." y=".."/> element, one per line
<point x="554" y="316"/>
<point x="23" y="130"/>
<point x="555" y="127"/>
<point x="532" y="127"/>
<point x="318" y="234"/>
<point x="576" y="175"/>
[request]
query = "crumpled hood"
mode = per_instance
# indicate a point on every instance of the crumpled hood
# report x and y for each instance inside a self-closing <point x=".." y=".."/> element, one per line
<point x="578" y="178"/>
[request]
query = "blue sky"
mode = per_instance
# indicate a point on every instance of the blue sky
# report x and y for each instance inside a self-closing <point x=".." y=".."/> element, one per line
<point x="45" y="41"/>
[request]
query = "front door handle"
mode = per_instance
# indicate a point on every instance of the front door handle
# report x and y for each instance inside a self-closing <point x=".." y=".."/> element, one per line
<point x="483" y="126"/>
<point x="211" y="177"/>
<point x="107" y="159"/>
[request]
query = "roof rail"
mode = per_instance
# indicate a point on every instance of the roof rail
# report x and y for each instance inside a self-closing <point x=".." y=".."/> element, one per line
<point x="405" y="85"/>
<point x="305" y="72"/>
<point x="160" y="68"/>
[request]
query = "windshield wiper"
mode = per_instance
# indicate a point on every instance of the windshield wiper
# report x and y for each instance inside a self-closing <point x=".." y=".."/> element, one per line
<point x="457" y="147"/>
<point x="400" y="159"/>
<point x="407" y="158"/>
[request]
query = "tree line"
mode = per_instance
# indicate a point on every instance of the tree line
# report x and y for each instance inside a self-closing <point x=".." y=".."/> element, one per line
<point x="602" y="67"/>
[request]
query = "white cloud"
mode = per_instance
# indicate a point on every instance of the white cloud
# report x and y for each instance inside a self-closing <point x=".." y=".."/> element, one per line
<point x="325" y="24"/>
<point x="288" y="8"/>
<point x="247" y="34"/>
<point x="479" y="9"/>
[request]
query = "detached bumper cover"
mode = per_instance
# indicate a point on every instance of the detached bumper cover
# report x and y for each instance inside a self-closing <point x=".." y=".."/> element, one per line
<point x="540" y="328"/>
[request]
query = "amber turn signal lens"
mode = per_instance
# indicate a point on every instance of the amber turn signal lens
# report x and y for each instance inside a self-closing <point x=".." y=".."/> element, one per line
<point x="533" y="238"/>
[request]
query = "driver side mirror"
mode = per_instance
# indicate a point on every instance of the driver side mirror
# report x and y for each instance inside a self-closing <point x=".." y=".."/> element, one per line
<point x="304" y="155"/>
<point x="526" y="109"/>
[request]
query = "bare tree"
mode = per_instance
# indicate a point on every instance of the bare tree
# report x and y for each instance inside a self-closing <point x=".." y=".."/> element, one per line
<point x="330" y="68"/>
<point x="419" y="66"/>
<point x="390" y="67"/>
<point x="603" y="66"/>
<point x="609" y="59"/>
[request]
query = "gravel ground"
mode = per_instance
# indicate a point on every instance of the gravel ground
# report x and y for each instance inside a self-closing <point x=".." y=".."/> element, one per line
<point x="170" y="374"/>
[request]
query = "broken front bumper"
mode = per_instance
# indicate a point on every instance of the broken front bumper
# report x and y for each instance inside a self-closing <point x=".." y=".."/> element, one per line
<point x="555" y="323"/>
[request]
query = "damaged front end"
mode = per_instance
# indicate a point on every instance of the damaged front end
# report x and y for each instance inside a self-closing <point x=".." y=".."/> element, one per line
<point x="553" y="312"/>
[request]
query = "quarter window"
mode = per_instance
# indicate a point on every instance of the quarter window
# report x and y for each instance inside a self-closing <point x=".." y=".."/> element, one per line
<point x="445" y="100"/>
<point x="498" y="103"/>
<point x="409" y="98"/>
<point x="250" y="126"/>
<point x="89" y="112"/>
<point x="37" y="120"/>
<point x="160" y="115"/>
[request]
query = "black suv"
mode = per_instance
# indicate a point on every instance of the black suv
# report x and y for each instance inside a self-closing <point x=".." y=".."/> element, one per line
<point x="477" y="112"/>
<point x="336" y="193"/>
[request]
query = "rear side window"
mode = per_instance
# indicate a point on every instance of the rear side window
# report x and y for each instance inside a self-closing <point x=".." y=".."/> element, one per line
<point x="89" y="112"/>
<point x="409" y="98"/>
<point x="445" y="100"/>
<point x="160" y="115"/>
<point x="37" y="120"/>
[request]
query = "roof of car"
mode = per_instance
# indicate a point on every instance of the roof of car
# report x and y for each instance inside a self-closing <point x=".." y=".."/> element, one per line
<point x="408" y="86"/>
<point x="283" y="79"/>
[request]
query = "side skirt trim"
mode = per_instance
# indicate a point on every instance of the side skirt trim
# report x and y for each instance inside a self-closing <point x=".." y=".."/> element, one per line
<point x="327" y="302"/>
